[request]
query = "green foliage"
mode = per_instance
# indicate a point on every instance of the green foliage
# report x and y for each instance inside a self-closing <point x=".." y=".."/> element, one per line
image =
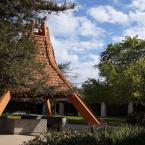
<point x="95" y="91"/>
<point x="115" y="121"/>
<point x="126" y="136"/>
<point x="104" y="136"/>
<point x="26" y="10"/>
<point x="136" y="118"/>
<point x="64" y="67"/>
<point x="122" y="66"/>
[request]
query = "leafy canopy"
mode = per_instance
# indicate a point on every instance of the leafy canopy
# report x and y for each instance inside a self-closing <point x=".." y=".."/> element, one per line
<point x="122" y="66"/>
<point x="95" y="91"/>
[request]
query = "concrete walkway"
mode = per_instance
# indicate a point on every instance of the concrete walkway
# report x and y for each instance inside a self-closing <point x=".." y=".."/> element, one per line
<point x="14" y="139"/>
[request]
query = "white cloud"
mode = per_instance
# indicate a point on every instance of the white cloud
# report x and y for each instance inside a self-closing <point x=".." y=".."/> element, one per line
<point x="76" y="45"/>
<point x="64" y="24"/>
<point x="69" y="25"/>
<point x="135" y="31"/>
<point x="108" y="14"/>
<point x="138" y="5"/>
<point x="87" y="28"/>
<point x="131" y="31"/>
<point x="136" y="21"/>
<point x="92" y="44"/>
<point x="83" y="70"/>
<point x="72" y="37"/>
<point x="86" y="70"/>
<point x="138" y="17"/>
<point x="63" y="48"/>
<point x="61" y="51"/>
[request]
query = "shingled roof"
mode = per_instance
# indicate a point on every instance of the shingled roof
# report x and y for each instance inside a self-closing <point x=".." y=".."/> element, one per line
<point x="46" y="56"/>
<point x="55" y="76"/>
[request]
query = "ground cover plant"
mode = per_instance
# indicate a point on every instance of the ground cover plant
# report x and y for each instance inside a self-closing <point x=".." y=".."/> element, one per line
<point x="105" y="136"/>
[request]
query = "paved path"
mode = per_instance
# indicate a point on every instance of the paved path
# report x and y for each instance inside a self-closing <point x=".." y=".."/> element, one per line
<point x="13" y="139"/>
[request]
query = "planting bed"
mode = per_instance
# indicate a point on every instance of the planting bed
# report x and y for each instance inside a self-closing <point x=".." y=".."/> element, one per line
<point x="29" y="124"/>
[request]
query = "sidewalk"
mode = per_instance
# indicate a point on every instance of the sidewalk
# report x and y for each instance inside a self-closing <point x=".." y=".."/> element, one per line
<point x="13" y="139"/>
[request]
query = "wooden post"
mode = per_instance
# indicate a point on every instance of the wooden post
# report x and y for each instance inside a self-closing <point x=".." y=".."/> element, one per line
<point x="49" y="108"/>
<point x="103" y="109"/>
<point x="130" y="107"/>
<point x="4" y="100"/>
<point x="61" y="108"/>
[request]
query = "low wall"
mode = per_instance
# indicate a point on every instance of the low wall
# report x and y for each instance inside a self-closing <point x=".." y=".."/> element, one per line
<point x="56" y="122"/>
<point x="22" y="126"/>
<point x="30" y="124"/>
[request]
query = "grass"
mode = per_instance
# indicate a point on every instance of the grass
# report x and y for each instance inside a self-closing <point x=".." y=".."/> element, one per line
<point x="14" y="117"/>
<point x="115" y="121"/>
<point x="75" y="120"/>
<point x="110" y="121"/>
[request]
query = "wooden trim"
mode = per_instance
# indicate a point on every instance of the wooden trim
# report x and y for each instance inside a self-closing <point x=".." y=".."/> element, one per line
<point x="4" y="100"/>
<point x="49" y="108"/>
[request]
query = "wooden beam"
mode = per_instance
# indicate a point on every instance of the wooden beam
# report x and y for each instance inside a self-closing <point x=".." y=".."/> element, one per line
<point x="4" y="100"/>
<point x="49" y="108"/>
<point x="84" y="110"/>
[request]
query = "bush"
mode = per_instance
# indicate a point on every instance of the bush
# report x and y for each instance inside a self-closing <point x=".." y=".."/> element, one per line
<point x="105" y="136"/>
<point x="136" y="118"/>
<point x="126" y="136"/>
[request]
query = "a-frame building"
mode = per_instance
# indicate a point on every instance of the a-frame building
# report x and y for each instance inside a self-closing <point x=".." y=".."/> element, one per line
<point x="55" y="76"/>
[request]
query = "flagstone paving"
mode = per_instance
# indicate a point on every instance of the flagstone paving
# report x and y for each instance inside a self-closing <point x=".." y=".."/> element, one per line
<point x="14" y="139"/>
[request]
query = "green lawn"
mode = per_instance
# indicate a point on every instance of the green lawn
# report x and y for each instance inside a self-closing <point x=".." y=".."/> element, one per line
<point x="13" y="117"/>
<point x="75" y="120"/>
<point x="111" y="121"/>
<point x="115" y="121"/>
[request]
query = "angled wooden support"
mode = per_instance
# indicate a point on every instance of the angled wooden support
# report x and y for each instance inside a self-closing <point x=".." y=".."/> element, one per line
<point x="84" y="110"/>
<point x="49" y="108"/>
<point x="4" y="100"/>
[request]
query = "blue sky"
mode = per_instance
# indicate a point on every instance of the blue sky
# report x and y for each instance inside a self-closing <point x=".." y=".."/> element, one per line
<point x="80" y="35"/>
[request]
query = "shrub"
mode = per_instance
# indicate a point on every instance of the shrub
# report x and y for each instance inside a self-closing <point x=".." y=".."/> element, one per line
<point x="105" y="136"/>
<point x="126" y="136"/>
<point x="135" y="118"/>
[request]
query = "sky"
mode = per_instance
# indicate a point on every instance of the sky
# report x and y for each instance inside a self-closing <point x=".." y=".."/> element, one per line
<point x="79" y="36"/>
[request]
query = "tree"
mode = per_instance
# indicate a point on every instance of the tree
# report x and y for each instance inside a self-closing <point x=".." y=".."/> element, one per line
<point x="122" y="66"/>
<point x="95" y="91"/>
<point x="17" y="51"/>
<point x="64" y="67"/>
